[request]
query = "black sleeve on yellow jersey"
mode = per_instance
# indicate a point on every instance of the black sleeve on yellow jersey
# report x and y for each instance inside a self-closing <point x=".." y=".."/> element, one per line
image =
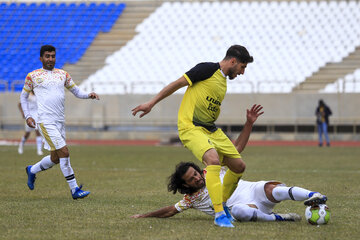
<point x="202" y="71"/>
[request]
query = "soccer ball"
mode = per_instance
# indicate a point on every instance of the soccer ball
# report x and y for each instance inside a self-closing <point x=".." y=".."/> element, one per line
<point x="318" y="214"/>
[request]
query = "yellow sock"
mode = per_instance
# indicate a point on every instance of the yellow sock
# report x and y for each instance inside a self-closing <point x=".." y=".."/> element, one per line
<point x="213" y="184"/>
<point x="230" y="183"/>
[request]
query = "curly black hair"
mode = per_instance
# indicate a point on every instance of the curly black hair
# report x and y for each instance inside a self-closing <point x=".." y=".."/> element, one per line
<point x="176" y="183"/>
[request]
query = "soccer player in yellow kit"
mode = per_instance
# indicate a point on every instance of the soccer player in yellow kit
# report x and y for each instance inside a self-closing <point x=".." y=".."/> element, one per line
<point x="198" y="112"/>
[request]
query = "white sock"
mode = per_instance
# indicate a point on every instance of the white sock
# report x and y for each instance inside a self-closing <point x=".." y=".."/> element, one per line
<point x="281" y="193"/>
<point x="244" y="213"/>
<point x="68" y="173"/>
<point x="42" y="165"/>
<point x="23" y="140"/>
<point x="39" y="143"/>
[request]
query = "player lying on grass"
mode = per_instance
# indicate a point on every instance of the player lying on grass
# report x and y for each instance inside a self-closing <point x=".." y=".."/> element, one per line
<point x="251" y="201"/>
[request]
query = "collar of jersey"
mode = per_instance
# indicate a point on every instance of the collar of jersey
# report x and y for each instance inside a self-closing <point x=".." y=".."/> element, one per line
<point x="47" y="70"/>
<point x="222" y="73"/>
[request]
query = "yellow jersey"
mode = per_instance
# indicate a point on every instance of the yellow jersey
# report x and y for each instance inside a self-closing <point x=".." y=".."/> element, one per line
<point x="201" y="103"/>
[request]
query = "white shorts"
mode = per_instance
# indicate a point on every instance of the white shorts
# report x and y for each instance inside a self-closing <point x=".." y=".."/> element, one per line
<point x="30" y="129"/>
<point x="54" y="135"/>
<point x="252" y="193"/>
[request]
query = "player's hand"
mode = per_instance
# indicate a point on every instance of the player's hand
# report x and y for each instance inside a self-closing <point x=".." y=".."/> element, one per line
<point x="253" y="113"/>
<point x="137" y="216"/>
<point x="93" y="95"/>
<point x="145" y="108"/>
<point x="31" y="122"/>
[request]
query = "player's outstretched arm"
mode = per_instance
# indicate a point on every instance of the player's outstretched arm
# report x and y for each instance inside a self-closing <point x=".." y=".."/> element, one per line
<point x="251" y="117"/>
<point x="74" y="89"/>
<point x="145" y="108"/>
<point x="164" y="212"/>
<point x="93" y="95"/>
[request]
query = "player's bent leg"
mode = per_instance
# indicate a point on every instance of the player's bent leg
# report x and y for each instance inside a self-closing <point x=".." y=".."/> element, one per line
<point x="214" y="187"/>
<point x="310" y="198"/>
<point x="281" y="193"/>
<point x="69" y="175"/>
<point x="230" y="180"/>
<point x="44" y="164"/>
<point x="244" y="213"/>
<point x="212" y="179"/>
<point x="230" y="183"/>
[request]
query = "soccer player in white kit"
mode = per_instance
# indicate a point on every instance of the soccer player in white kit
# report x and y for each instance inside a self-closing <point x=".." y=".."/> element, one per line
<point x="251" y="201"/>
<point x="48" y="85"/>
<point x="33" y="112"/>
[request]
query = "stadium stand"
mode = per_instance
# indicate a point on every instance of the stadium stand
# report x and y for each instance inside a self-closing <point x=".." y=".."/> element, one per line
<point x="70" y="27"/>
<point x="153" y="42"/>
<point x="350" y="83"/>
<point x="291" y="42"/>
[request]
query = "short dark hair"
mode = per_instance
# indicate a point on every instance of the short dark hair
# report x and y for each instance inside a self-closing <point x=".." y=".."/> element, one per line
<point x="240" y="53"/>
<point x="176" y="182"/>
<point x="46" y="48"/>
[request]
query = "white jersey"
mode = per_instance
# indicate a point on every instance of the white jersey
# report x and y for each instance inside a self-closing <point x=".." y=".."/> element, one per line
<point x="199" y="200"/>
<point x="245" y="193"/>
<point x="33" y="108"/>
<point x="49" y="90"/>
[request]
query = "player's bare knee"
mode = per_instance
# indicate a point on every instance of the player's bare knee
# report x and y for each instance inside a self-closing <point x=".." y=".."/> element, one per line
<point x="269" y="192"/>
<point x="63" y="152"/>
<point x="211" y="157"/>
<point x="239" y="167"/>
<point x="54" y="157"/>
<point x="242" y="166"/>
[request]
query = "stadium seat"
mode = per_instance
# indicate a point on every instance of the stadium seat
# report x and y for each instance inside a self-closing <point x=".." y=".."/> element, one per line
<point x="289" y="41"/>
<point x="349" y="84"/>
<point x="25" y="27"/>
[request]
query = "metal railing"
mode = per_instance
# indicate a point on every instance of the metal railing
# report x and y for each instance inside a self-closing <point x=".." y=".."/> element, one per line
<point x="240" y="86"/>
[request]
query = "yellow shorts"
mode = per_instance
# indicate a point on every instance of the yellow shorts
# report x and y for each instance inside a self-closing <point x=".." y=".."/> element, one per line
<point x="198" y="140"/>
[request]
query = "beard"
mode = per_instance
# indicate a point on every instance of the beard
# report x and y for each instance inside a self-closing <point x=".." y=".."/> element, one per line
<point x="232" y="74"/>
<point x="195" y="189"/>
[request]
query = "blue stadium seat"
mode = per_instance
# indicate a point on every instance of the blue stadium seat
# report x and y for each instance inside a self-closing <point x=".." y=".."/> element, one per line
<point x="25" y="27"/>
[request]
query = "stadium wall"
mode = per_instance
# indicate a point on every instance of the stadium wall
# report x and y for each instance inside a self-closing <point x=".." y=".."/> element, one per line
<point x="286" y="117"/>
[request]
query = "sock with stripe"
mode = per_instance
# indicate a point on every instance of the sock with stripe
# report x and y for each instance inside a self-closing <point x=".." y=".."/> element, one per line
<point x="281" y="193"/>
<point x="68" y="173"/>
<point x="44" y="164"/>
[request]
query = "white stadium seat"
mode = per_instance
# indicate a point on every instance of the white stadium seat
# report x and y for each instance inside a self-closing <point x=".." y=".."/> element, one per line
<point x="289" y="41"/>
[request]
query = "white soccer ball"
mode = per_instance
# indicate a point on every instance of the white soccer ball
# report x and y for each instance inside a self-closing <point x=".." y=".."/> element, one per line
<point x="318" y="214"/>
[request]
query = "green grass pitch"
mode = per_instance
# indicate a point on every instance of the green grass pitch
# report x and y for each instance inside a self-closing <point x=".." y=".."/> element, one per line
<point x="126" y="180"/>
